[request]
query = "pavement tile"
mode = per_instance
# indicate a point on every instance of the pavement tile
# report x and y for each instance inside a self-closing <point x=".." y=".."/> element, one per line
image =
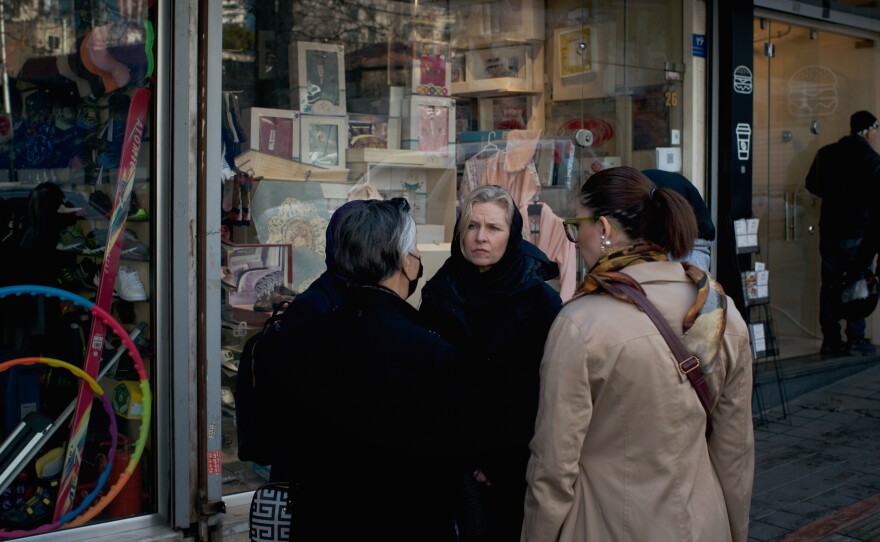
<point x="820" y="464"/>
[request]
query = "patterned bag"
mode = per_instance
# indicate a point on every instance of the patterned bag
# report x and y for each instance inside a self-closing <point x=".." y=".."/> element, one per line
<point x="269" y="520"/>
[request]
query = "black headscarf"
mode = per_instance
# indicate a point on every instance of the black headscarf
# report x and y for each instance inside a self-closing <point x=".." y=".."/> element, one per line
<point x="522" y="266"/>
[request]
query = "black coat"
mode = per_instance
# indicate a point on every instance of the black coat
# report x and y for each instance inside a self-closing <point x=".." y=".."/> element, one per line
<point x="322" y="296"/>
<point x="499" y="320"/>
<point x="376" y="401"/>
<point x="846" y="175"/>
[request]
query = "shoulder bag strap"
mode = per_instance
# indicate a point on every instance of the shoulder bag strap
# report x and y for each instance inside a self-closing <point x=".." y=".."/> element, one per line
<point x="687" y="363"/>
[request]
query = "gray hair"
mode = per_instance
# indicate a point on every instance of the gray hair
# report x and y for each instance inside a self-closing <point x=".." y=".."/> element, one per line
<point x="372" y="241"/>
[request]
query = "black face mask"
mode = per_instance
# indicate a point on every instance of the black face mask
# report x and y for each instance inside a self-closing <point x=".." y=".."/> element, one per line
<point x="413" y="284"/>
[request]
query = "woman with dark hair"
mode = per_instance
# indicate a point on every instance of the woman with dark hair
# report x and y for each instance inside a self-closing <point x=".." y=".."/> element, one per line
<point x="620" y="449"/>
<point x="491" y="299"/>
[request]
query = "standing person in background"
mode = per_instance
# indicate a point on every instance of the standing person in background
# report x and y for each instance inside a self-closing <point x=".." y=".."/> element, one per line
<point x="846" y="175"/>
<point x="322" y="296"/>
<point x="491" y="300"/>
<point x="620" y="449"/>
<point x="375" y="398"/>
<point x="701" y="254"/>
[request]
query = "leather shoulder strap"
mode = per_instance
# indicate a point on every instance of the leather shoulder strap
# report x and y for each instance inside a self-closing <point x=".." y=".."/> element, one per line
<point x="687" y="363"/>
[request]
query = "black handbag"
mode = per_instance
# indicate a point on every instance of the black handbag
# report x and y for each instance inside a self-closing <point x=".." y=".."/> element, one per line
<point x="269" y="519"/>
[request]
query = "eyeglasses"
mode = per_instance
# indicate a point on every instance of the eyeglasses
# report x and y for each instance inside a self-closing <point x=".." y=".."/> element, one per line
<point x="571" y="226"/>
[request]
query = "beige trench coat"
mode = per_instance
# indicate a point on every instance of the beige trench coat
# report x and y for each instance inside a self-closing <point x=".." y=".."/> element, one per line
<point x="619" y="452"/>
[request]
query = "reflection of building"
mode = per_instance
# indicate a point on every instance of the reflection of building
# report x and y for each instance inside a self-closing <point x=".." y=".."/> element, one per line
<point x="235" y="12"/>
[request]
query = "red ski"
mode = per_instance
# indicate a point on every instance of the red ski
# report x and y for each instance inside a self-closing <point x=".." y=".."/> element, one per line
<point x="131" y="146"/>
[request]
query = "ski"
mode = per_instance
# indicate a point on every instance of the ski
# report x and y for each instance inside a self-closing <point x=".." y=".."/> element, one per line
<point x="131" y="146"/>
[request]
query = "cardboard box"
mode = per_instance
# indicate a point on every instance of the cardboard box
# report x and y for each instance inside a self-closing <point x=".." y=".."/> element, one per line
<point x="428" y="125"/>
<point x="373" y="131"/>
<point x="128" y="400"/>
<point x="272" y="131"/>
<point x="505" y="113"/>
<point x="317" y="77"/>
<point x="507" y="69"/>
<point x="431" y="69"/>
<point x="483" y="23"/>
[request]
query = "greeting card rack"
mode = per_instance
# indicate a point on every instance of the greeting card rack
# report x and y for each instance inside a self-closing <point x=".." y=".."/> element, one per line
<point x="766" y="369"/>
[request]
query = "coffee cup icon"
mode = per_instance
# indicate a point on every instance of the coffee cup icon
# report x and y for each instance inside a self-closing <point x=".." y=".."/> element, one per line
<point x="743" y="140"/>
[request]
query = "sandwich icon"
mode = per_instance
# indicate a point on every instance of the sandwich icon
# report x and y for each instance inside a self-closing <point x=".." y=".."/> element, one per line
<point x="812" y="92"/>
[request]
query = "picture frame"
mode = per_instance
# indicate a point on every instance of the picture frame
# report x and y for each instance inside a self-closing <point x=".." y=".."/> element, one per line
<point x="317" y="77"/>
<point x="272" y="131"/>
<point x="572" y="62"/>
<point x="323" y="140"/>
<point x="505" y="113"/>
<point x="250" y="270"/>
<point x="438" y="139"/>
<point x="431" y="69"/>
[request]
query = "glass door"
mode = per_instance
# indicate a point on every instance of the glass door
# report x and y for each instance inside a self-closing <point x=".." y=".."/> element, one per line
<point x="807" y="83"/>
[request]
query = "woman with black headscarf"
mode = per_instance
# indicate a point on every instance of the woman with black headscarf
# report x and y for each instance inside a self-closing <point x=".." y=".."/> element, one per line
<point x="491" y="300"/>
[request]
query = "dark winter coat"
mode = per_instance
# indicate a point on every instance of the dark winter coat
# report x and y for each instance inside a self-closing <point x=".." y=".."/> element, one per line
<point x="499" y="320"/>
<point x="376" y="401"/>
<point x="322" y="296"/>
<point x="846" y="175"/>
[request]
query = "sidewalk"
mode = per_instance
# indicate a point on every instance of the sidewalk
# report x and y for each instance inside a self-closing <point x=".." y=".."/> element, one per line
<point x="817" y="472"/>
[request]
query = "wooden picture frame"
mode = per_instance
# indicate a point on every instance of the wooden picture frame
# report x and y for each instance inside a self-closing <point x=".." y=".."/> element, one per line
<point x="572" y="60"/>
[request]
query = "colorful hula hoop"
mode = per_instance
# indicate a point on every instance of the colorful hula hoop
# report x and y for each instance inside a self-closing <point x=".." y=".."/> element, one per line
<point x="147" y="400"/>
<point x="111" y="457"/>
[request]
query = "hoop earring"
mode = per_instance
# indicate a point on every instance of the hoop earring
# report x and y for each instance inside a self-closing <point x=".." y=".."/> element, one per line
<point x="604" y="244"/>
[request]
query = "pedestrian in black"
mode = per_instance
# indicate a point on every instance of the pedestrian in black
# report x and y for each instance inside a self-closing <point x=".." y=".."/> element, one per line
<point x="845" y="174"/>
<point x="321" y="296"/>
<point x="491" y="299"/>
<point x="375" y="398"/>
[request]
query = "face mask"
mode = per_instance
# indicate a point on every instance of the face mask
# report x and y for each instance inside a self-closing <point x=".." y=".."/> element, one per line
<point x="413" y="284"/>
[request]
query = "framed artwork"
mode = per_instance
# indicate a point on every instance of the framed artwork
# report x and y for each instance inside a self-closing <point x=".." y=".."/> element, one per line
<point x="323" y="140"/>
<point x="250" y="271"/>
<point x="317" y="77"/>
<point x="432" y="71"/>
<point x="273" y="131"/>
<point x="574" y="49"/>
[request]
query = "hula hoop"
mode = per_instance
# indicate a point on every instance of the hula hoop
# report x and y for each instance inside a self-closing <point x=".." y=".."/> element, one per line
<point x="102" y="479"/>
<point x="147" y="397"/>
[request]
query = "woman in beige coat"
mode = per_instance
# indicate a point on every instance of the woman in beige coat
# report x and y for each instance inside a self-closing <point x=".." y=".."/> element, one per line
<point x="620" y="451"/>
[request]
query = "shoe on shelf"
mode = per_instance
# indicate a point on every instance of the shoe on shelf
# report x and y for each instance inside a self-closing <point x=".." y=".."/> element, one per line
<point x="860" y="347"/>
<point x="100" y="202"/>
<point x="227" y="398"/>
<point x="129" y="285"/>
<point x="229" y="362"/>
<point x="132" y="248"/>
<point x="73" y="239"/>
<point x="833" y="347"/>
<point x="85" y="274"/>
<point x="136" y="213"/>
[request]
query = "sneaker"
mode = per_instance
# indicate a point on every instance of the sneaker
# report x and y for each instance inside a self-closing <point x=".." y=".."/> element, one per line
<point x="229" y="362"/>
<point x="227" y="398"/>
<point x="832" y="347"/>
<point x="72" y="239"/>
<point x="132" y="248"/>
<point x="128" y="284"/>
<point x="100" y="202"/>
<point x="65" y="280"/>
<point x="860" y="347"/>
<point x="136" y="213"/>
<point x="85" y="274"/>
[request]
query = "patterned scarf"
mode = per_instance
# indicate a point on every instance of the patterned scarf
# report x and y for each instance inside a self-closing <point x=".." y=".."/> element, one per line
<point x="704" y="322"/>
